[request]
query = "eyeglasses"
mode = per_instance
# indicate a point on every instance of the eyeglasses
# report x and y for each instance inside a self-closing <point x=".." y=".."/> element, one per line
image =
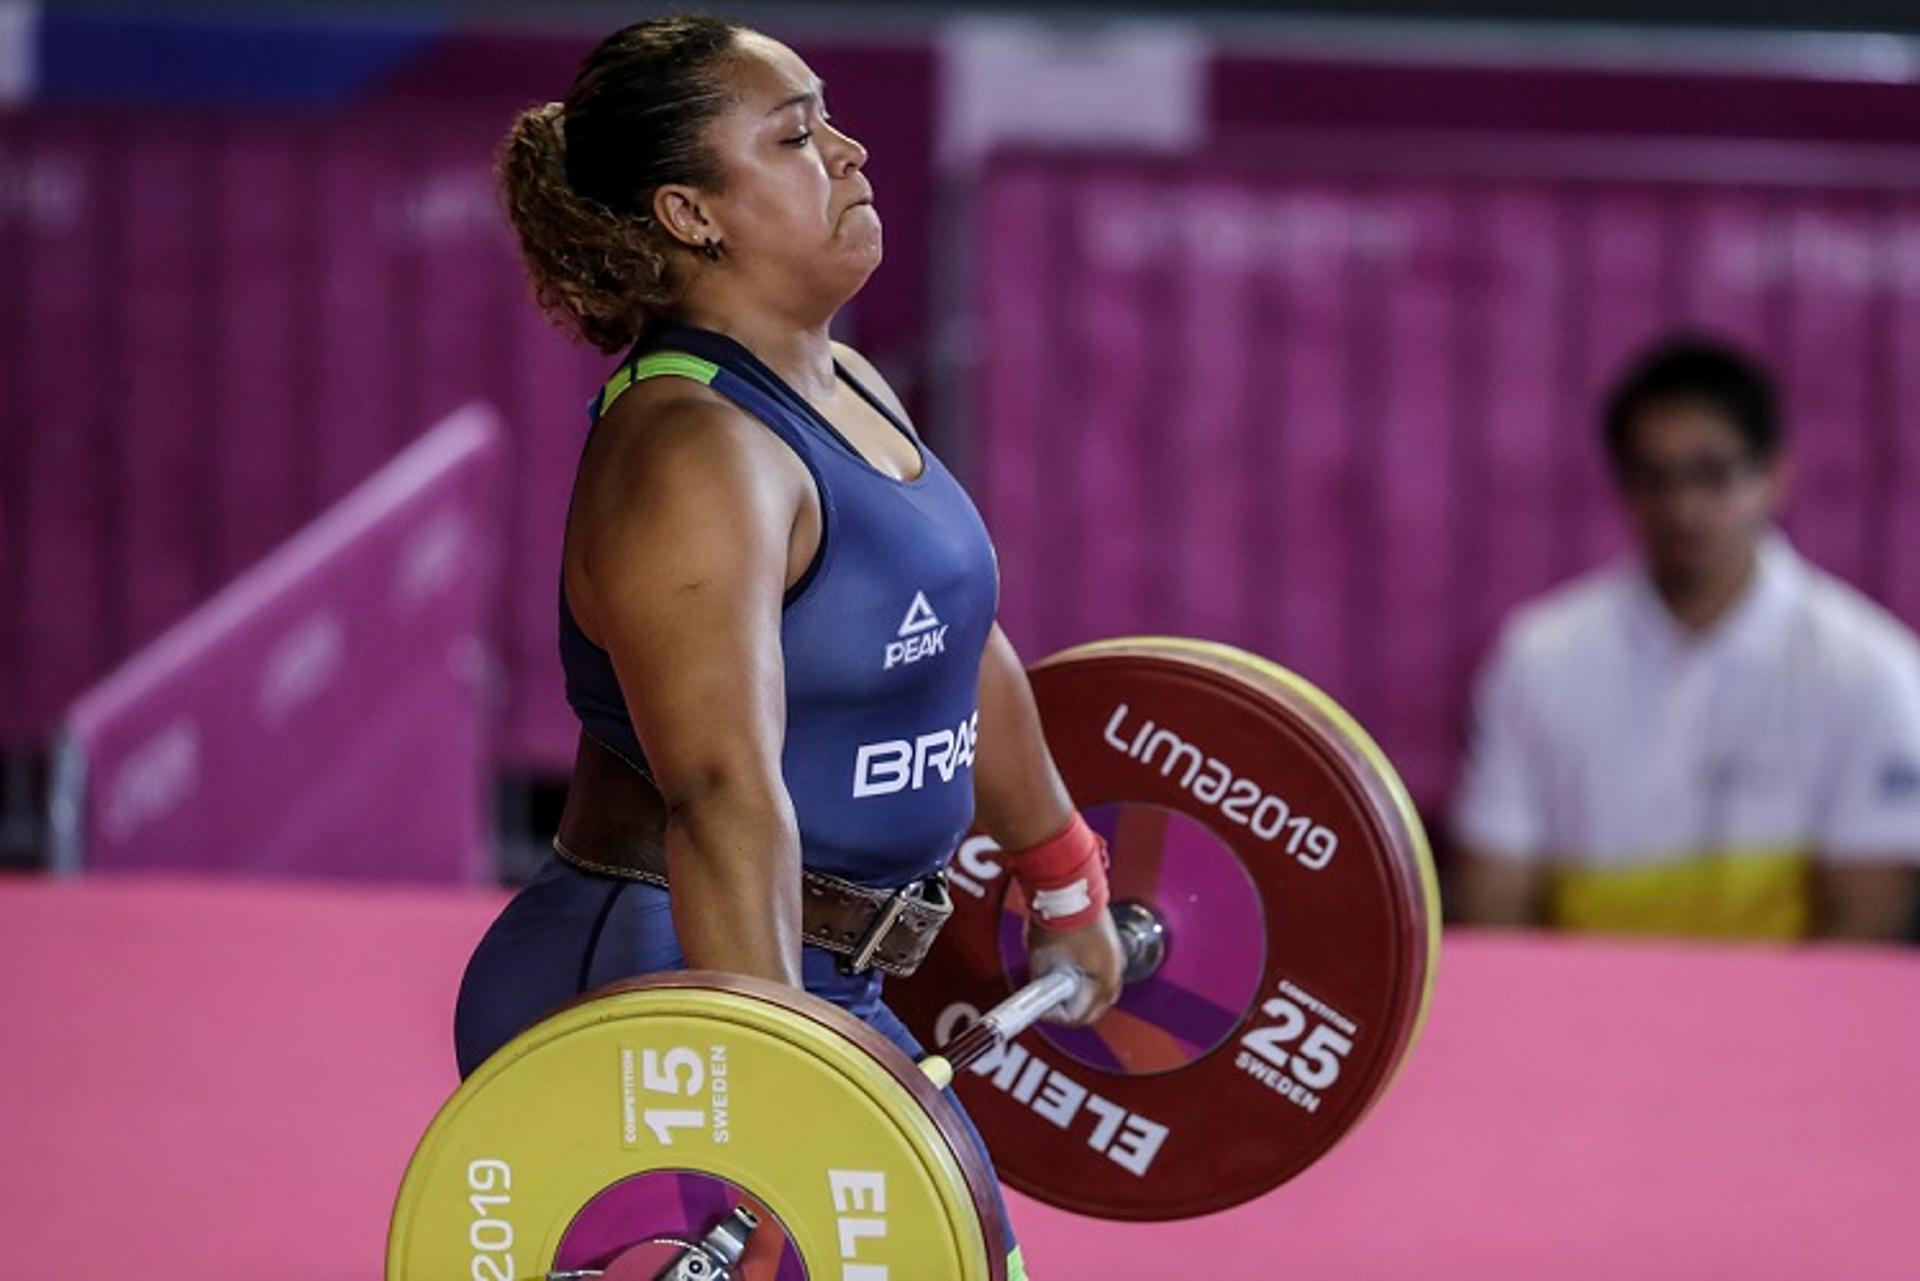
<point x="1711" y="474"/>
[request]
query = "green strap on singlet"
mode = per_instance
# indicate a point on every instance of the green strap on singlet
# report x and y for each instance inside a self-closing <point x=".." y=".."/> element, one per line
<point x="1016" y="1266"/>
<point x="653" y="366"/>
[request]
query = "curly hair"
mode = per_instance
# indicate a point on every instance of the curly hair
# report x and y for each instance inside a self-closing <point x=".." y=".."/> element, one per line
<point x="578" y="176"/>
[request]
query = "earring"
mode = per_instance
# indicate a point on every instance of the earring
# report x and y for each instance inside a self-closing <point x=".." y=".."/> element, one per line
<point x="711" y="248"/>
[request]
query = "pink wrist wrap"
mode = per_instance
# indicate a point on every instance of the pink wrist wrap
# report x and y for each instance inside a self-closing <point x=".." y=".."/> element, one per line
<point x="1065" y="878"/>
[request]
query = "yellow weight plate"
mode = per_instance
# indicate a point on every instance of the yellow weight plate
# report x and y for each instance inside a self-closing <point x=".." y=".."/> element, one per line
<point x="752" y="1089"/>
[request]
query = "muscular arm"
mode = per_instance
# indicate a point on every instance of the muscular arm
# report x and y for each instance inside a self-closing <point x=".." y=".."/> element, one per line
<point x="1864" y="900"/>
<point x="1018" y="797"/>
<point x="678" y="556"/>
<point x="1019" y="800"/>
<point x="1488" y="890"/>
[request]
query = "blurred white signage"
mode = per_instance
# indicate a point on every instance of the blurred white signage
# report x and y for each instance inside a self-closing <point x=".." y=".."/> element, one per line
<point x="1005" y="80"/>
<point x="19" y="48"/>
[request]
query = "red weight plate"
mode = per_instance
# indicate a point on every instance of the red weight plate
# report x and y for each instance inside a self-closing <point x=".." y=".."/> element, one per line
<point x="1274" y="845"/>
<point x="1370" y="769"/>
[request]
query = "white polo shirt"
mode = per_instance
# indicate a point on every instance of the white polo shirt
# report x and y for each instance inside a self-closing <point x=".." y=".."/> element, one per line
<point x="1684" y="783"/>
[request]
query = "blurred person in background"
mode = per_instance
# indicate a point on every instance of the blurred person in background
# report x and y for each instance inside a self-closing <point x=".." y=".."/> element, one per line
<point x="1717" y="738"/>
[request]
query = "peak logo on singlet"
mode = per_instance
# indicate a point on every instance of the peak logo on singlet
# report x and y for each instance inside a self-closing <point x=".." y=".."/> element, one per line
<point x="921" y="635"/>
<point x="908" y="764"/>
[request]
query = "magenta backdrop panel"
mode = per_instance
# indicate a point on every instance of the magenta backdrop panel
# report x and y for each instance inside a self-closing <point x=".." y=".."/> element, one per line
<point x="1351" y="420"/>
<point x="13" y="463"/>
<point x="221" y="327"/>
<point x="159" y="386"/>
<point x="260" y="433"/>
<point x="1328" y="236"/>
<point x="353" y="326"/>
<point x="1207" y="505"/>
<point x="215" y="325"/>
<point x="1726" y="267"/>
<point x="1095" y="440"/>
<point x="1013" y="300"/>
<point x="1406" y="682"/>
<point x="1514" y="385"/>
<point x="1835" y="324"/>
<point x="1626" y="298"/>
<point x="547" y="402"/>
<point x="1897" y="478"/>
<point x="70" y="612"/>
<point x="1251" y="92"/>
<point x="322" y="715"/>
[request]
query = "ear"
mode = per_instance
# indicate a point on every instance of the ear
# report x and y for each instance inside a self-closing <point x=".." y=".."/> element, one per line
<point x="683" y="212"/>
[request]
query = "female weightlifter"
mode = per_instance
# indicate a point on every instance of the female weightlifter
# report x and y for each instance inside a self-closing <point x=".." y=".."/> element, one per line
<point x="776" y="606"/>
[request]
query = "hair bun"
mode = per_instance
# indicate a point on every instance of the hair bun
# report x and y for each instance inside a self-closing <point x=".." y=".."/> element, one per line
<point x="638" y="111"/>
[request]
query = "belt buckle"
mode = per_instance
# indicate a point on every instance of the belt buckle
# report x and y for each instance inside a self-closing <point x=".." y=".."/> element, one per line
<point x="877" y="930"/>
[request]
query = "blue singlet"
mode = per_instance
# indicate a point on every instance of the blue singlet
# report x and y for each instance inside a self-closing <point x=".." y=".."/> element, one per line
<point x="881" y="636"/>
<point x="881" y="639"/>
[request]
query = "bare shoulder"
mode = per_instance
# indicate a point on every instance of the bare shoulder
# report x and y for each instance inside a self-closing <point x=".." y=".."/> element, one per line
<point x="677" y="481"/>
<point x="675" y="440"/>
<point x="673" y="468"/>
<point x="870" y="378"/>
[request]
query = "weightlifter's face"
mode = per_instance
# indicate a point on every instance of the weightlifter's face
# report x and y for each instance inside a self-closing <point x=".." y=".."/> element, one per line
<point x="795" y="208"/>
<point x="1699" y="499"/>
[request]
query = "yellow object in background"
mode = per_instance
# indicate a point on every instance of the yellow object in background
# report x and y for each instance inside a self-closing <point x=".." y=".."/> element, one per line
<point x="1740" y="893"/>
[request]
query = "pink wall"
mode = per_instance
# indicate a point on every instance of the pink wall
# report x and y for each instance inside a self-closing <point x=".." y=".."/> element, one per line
<point x="222" y="327"/>
<point x="323" y="714"/>
<point x="215" y="325"/>
<point x="1349" y="420"/>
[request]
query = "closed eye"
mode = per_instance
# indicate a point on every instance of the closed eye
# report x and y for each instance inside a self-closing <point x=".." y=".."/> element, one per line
<point x="802" y="139"/>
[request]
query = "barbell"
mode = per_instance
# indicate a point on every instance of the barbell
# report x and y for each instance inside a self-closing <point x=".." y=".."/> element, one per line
<point x="1274" y="892"/>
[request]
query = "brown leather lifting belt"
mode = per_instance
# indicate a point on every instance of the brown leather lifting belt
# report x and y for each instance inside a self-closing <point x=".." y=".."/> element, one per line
<point x="618" y="831"/>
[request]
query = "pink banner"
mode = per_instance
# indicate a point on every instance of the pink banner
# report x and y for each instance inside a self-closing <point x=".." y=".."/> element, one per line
<point x="323" y="714"/>
<point x="1894" y="539"/>
<point x="1351" y="421"/>
<point x="216" y="325"/>
<point x="68" y="609"/>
